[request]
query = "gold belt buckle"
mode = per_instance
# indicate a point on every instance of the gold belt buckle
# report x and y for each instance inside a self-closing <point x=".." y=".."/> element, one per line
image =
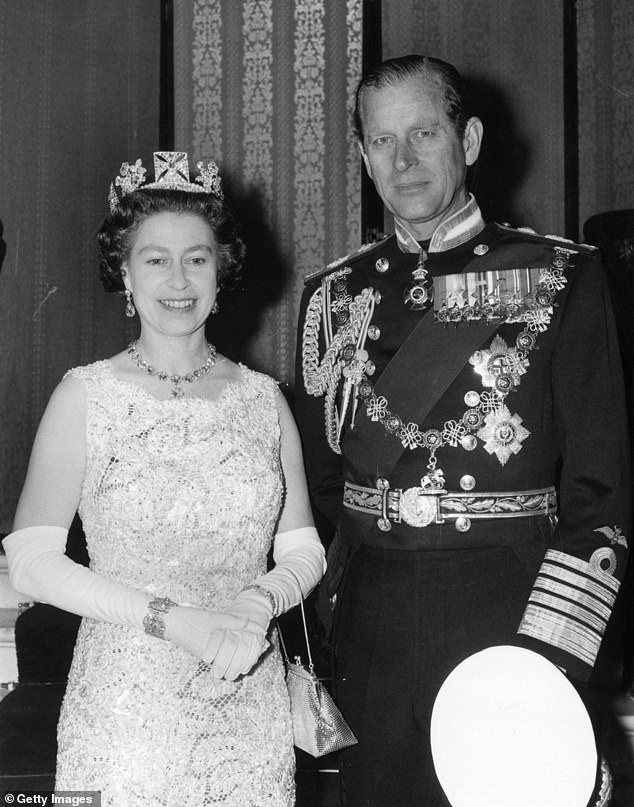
<point x="419" y="508"/>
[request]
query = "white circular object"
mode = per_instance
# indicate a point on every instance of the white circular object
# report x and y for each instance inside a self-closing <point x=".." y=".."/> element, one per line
<point x="509" y="730"/>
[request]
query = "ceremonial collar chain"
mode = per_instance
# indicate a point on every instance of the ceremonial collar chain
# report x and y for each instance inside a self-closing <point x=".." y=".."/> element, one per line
<point x="171" y="172"/>
<point x="500" y="366"/>
<point x="487" y="416"/>
<point x="176" y="380"/>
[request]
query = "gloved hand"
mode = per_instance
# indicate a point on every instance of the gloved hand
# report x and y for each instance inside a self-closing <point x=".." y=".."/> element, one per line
<point x="39" y="569"/>
<point x="193" y="629"/>
<point x="234" y="653"/>
<point x="253" y="606"/>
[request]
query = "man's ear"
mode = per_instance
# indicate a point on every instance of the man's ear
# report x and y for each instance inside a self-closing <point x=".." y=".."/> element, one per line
<point x="472" y="140"/>
<point x="366" y="162"/>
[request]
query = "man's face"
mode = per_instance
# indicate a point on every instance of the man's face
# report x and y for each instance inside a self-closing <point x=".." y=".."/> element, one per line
<point x="413" y="154"/>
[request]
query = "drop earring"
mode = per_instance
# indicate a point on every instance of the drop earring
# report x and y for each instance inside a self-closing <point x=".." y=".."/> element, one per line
<point x="215" y="307"/>
<point x="130" y="310"/>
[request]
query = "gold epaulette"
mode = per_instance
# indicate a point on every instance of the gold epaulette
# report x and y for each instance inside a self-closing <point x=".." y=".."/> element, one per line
<point x="566" y="243"/>
<point x="364" y="249"/>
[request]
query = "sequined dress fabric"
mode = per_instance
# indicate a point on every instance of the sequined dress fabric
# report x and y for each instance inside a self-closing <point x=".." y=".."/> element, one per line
<point x="180" y="498"/>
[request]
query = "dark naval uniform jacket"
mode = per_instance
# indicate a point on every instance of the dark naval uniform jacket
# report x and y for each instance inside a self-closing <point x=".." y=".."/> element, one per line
<point x="490" y="415"/>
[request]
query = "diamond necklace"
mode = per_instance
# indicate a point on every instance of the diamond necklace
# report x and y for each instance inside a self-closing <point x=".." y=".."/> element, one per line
<point x="176" y="380"/>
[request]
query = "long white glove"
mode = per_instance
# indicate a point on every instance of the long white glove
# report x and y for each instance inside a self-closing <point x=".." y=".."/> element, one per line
<point x="39" y="569"/>
<point x="300" y="564"/>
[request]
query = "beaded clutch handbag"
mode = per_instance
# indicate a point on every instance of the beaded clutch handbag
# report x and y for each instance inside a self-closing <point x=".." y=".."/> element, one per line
<point x="319" y="727"/>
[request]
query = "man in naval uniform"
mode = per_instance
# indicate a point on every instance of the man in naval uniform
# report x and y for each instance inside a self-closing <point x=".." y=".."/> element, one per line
<point x="460" y="398"/>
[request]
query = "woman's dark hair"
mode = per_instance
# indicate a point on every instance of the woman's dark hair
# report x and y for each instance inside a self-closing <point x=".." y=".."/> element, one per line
<point x="117" y="230"/>
<point x="437" y="73"/>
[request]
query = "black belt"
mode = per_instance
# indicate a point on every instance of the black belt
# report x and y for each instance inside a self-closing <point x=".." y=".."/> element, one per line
<point x="420" y="507"/>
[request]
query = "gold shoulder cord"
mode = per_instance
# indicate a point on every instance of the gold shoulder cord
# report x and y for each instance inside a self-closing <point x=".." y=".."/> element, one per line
<point x="322" y="377"/>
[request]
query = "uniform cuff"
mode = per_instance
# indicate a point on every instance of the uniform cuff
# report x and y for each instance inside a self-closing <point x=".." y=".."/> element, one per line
<point x="569" y="608"/>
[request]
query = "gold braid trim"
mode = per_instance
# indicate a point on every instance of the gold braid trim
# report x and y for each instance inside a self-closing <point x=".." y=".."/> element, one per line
<point x="317" y="374"/>
<point x="330" y="411"/>
<point x="322" y="377"/>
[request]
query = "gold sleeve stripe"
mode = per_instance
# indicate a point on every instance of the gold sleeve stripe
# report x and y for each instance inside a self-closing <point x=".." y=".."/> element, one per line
<point x="565" y="635"/>
<point x="569" y="609"/>
<point x="588" y="585"/>
<point x="560" y="561"/>
<point x="570" y="595"/>
<point x="570" y="605"/>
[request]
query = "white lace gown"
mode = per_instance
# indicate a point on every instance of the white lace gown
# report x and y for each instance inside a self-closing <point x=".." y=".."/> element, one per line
<point x="180" y="499"/>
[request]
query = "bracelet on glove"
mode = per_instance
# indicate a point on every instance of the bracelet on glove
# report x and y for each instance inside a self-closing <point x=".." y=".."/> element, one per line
<point x="154" y="621"/>
<point x="268" y="594"/>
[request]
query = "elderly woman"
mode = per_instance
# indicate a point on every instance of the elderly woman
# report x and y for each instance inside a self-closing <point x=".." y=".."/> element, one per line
<point x="186" y="469"/>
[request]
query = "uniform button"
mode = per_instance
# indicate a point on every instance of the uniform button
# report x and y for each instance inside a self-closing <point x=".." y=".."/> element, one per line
<point x="469" y="442"/>
<point x="382" y="265"/>
<point x="384" y="524"/>
<point x="481" y="249"/>
<point x="374" y="332"/>
<point x="467" y="482"/>
<point x="377" y="297"/>
<point x="463" y="524"/>
<point x="472" y="398"/>
<point x="382" y="483"/>
<point x="370" y="367"/>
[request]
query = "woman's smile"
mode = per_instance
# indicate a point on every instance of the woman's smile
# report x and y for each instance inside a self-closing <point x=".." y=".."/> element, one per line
<point x="178" y="305"/>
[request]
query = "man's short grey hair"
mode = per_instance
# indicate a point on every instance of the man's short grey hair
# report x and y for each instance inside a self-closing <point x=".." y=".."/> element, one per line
<point x="435" y="72"/>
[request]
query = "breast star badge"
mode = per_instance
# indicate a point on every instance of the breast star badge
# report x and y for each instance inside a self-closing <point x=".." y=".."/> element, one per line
<point x="499" y="365"/>
<point x="503" y="434"/>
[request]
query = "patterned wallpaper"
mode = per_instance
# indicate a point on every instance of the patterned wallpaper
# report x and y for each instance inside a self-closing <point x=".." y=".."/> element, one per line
<point x="78" y="96"/>
<point x="265" y="88"/>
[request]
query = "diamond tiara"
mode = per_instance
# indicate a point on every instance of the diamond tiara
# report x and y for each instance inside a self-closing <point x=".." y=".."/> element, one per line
<point x="171" y="172"/>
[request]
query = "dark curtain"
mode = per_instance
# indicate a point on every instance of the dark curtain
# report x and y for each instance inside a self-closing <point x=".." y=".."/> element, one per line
<point x="606" y="106"/>
<point x="79" y="94"/>
<point x="512" y="54"/>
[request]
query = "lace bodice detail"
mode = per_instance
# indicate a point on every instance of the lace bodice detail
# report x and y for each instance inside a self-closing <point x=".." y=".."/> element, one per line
<point x="180" y="498"/>
<point x="166" y="471"/>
